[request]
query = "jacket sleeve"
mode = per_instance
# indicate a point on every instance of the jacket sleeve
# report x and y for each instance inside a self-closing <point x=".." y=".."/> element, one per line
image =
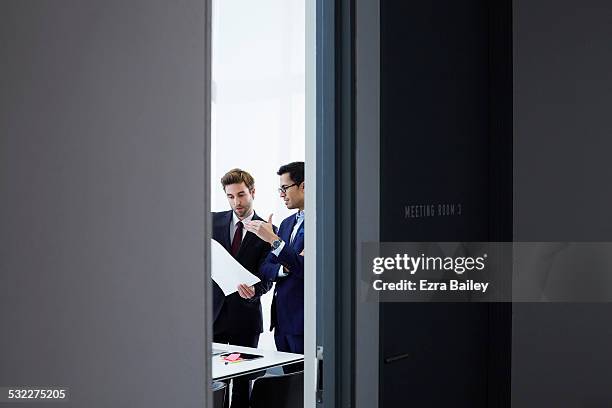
<point x="270" y="266"/>
<point x="265" y="284"/>
<point x="267" y="280"/>
<point x="291" y="260"/>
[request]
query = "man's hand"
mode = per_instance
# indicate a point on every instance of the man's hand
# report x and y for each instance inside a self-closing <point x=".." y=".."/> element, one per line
<point x="302" y="253"/>
<point x="262" y="229"/>
<point x="246" y="292"/>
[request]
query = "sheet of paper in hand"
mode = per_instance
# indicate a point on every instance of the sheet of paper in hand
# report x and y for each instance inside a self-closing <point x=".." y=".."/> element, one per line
<point x="227" y="271"/>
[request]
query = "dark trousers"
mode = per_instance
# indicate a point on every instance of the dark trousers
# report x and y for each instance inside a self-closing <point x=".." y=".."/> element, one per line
<point x="241" y="385"/>
<point x="290" y="343"/>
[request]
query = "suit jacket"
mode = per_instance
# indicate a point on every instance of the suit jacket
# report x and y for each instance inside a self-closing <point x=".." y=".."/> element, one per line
<point x="233" y="314"/>
<point x="288" y="302"/>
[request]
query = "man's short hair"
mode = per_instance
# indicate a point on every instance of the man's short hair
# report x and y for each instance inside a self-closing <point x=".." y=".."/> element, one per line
<point x="295" y="170"/>
<point x="237" y="176"/>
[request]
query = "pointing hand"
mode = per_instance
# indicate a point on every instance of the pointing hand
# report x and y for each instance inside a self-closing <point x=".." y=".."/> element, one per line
<point x="262" y="229"/>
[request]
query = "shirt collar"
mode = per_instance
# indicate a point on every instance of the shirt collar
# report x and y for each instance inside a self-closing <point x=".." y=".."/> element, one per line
<point x="299" y="216"/>
<point x="235" y="218"/>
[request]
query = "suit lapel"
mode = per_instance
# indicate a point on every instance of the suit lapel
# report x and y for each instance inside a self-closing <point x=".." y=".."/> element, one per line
<point x="225" y="232"/>
<point x="248" y="237"/>
<point x="289" y="230"/>
<point x="298" y="241"/>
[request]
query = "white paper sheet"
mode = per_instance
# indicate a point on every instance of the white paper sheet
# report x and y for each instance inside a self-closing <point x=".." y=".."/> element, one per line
<point x="227" y="272"/>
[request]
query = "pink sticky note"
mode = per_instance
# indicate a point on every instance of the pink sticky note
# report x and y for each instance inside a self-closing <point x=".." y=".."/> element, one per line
<point x="232" y="357"/>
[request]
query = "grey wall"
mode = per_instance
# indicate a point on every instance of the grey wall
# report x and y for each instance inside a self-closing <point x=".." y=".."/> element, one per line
<point x="561" y="353"/>
<point x="103" y="116"/>
<point x="562" y="122"/>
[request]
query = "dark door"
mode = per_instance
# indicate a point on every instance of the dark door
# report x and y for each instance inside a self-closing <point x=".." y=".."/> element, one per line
<point x="445" y="143"/>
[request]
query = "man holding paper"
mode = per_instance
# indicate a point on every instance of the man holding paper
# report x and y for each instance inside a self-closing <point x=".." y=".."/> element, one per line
<point x="239" y="318"/>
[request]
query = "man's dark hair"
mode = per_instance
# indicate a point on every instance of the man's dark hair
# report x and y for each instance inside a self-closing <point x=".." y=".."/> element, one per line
<point x="295" y="170"/>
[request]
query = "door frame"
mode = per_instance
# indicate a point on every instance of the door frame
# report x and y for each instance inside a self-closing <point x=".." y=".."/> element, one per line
<point x="334" y="231"/>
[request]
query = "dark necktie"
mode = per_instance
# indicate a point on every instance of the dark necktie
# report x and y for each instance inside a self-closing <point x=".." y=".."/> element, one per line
<point x="237" y="239"/>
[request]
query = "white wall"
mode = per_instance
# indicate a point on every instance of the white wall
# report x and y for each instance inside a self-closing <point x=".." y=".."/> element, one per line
<point x="258" y="101"/>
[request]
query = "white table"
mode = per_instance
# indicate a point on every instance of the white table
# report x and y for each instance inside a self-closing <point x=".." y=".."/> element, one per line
<point x="222" y="371"/>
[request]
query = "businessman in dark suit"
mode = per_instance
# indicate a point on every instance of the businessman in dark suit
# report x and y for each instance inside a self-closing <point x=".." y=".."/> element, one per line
<point x="285" y="262"/>
<point x="238" y="318"/>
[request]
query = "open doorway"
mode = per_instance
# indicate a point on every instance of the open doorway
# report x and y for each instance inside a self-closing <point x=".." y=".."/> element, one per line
<point x="258" y="124"/>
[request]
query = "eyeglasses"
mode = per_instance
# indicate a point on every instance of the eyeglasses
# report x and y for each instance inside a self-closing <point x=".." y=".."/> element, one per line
<point x="283" y="189"/>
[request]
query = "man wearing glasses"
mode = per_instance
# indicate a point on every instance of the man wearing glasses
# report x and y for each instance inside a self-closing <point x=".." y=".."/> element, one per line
<point x="285" y="262"/>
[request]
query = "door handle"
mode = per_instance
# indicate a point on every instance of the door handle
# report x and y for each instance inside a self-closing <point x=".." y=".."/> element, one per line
<point x="319" y="394"/>
<point x="398" y="357"/>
